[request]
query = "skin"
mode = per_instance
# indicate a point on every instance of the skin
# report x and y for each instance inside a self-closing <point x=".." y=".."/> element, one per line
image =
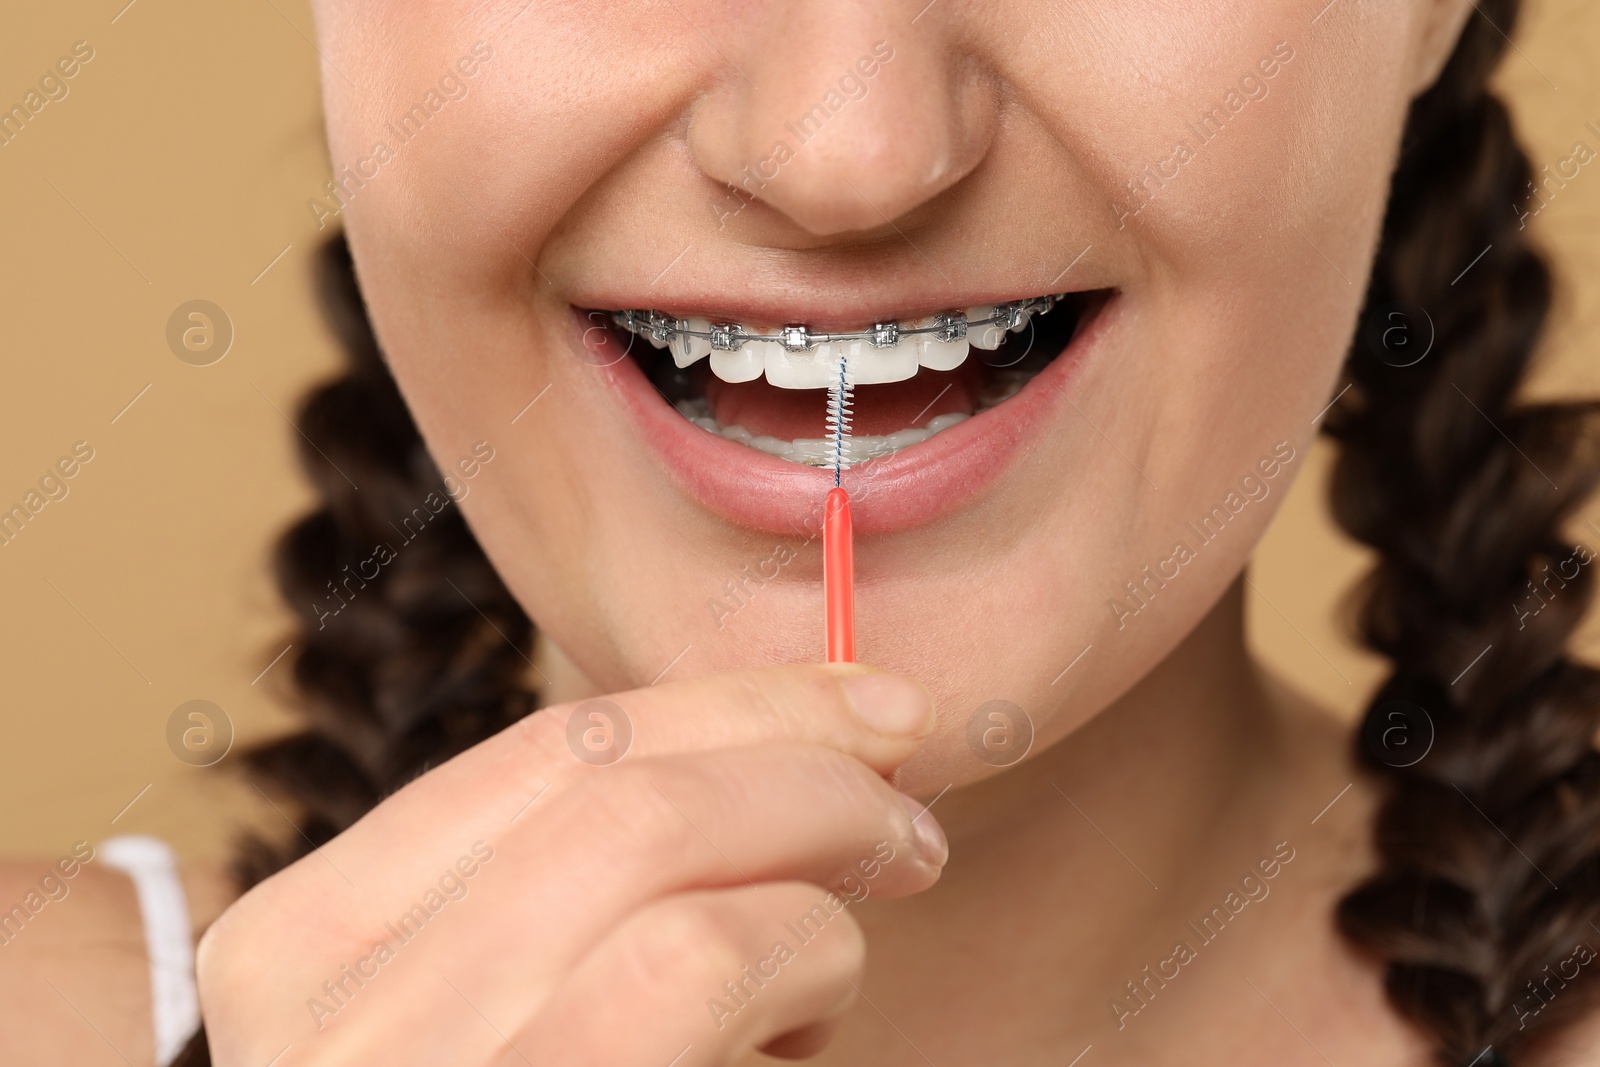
<point x="590" y="151"/>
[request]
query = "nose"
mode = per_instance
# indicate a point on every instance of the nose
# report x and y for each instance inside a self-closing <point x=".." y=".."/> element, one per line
<point x="843" y="116"/>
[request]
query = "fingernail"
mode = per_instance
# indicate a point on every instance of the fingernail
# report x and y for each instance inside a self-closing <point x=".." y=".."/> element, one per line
<point x="931" y="841"/>
<point x="890" y="704"/>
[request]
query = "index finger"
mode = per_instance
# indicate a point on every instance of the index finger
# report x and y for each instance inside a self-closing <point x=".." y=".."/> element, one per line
<point x="877" y="717"/>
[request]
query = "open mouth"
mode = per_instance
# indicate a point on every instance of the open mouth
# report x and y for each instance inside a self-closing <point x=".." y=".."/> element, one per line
<point x="763" y="387"/>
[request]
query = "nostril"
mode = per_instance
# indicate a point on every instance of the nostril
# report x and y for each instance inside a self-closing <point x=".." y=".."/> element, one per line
<point x="834" y="144"/>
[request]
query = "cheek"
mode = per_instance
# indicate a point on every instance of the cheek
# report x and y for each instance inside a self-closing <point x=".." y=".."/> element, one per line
<point x="1264" y="196"/>
<point x="1258" y="232"/>
<point x="1259" y="219"/>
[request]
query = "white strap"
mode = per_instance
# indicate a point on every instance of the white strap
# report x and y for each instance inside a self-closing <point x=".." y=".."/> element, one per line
<point x="165" y="911"/>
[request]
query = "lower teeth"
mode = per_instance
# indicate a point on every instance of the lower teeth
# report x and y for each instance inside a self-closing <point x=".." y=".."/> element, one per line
<point x="818" y="452"/>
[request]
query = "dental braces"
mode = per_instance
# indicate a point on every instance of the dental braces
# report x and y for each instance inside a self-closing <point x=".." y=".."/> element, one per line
<point x="731" y="336"/>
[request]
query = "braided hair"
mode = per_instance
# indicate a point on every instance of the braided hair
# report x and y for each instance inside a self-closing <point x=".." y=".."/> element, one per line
<point x="397" y="672"/>
<point x="1488" y="886"/>
<point x="1485" y="903"/>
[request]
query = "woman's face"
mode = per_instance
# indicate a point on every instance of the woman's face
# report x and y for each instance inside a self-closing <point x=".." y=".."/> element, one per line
<point x="1206" y="179"/>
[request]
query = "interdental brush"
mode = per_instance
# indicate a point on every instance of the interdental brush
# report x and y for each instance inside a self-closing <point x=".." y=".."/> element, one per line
<point x="838" y="554"/>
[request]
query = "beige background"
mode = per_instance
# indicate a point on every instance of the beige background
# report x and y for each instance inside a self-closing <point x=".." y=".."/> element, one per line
<point x="177" y="168"/>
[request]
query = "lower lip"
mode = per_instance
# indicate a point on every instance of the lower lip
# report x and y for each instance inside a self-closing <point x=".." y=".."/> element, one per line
<point x="914" y="486"/>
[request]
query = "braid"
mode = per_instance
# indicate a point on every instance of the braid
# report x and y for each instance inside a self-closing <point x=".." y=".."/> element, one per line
<point x="408" y="672"/>
<point x="1461" y="490"/>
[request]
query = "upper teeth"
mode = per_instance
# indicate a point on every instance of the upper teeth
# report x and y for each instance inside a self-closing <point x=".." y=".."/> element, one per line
<point x="796" y="357"/>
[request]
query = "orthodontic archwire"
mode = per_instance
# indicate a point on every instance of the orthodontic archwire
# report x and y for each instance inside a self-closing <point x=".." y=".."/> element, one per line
<point x="731" y="336"/>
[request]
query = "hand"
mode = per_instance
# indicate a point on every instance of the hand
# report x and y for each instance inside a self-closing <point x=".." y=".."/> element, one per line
<point x="463" y="921"/>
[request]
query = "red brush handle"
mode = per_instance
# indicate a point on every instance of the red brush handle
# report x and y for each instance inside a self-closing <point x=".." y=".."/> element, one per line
<point x="838" y="577"/>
